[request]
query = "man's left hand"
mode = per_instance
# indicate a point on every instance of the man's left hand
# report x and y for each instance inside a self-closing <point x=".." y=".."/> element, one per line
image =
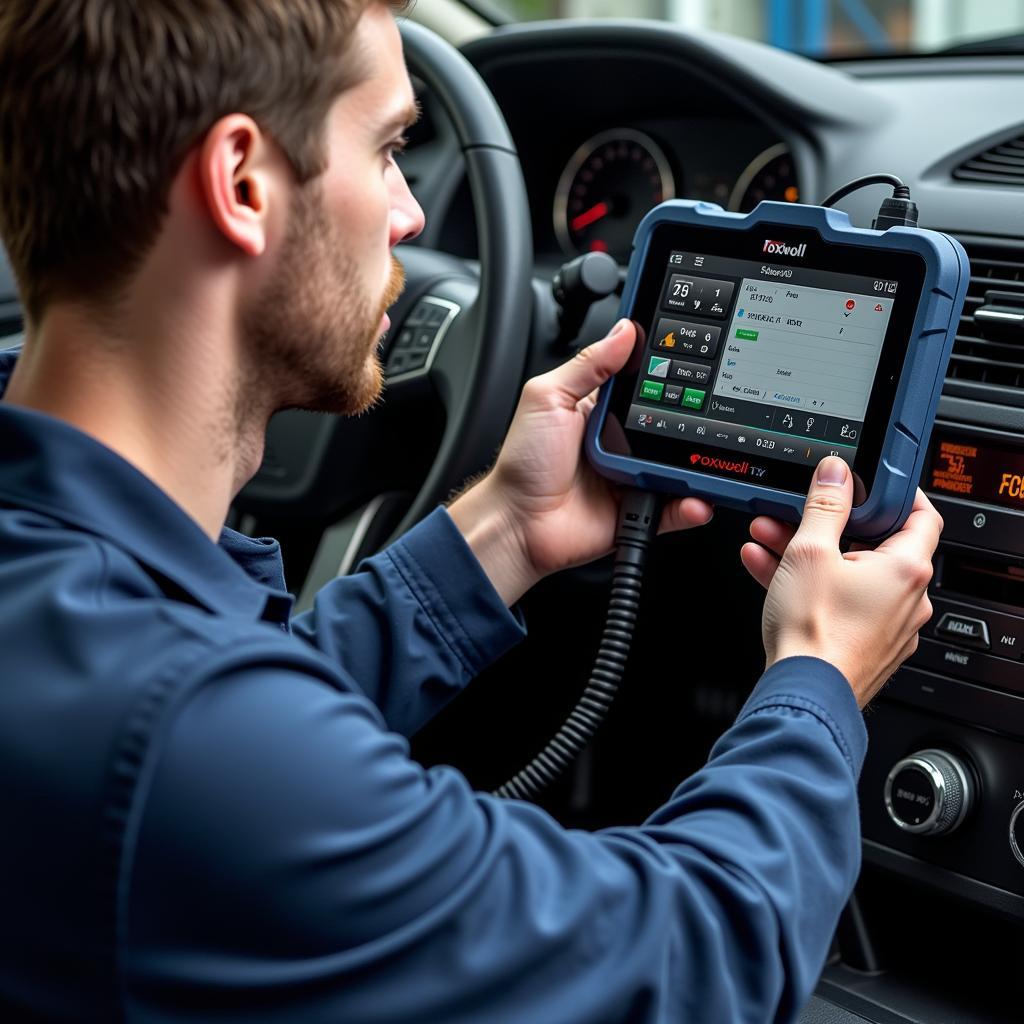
<point x="542" y="507"/>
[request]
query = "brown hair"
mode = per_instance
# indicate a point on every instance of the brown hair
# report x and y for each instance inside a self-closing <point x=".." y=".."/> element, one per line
<point x="101" y="100"/>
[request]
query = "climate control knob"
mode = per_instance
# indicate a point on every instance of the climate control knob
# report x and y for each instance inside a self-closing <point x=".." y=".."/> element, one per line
<point x="929" y="793"/>
<point x="1017" y="832"/>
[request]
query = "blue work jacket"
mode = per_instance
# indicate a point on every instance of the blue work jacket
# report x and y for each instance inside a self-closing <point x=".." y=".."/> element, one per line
<point x="209" y="812"/>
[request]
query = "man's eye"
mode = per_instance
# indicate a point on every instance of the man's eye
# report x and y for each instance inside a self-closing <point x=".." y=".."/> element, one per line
<point x="396" y="146"/>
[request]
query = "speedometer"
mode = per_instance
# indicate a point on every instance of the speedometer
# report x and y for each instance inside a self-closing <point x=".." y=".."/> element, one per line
<point x="770" y="175"/>
<point x="607" y="186"/>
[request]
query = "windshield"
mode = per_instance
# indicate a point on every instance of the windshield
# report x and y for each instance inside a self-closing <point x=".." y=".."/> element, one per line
<point x="819" y="28"/>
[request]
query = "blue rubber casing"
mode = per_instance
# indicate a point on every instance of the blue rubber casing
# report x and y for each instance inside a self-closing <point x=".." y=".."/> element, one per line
<point x="889" y="502"/>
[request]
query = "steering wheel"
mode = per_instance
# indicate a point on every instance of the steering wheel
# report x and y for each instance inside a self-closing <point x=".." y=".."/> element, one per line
<point x="454" y="358"/>
<point x="479" y="364"/>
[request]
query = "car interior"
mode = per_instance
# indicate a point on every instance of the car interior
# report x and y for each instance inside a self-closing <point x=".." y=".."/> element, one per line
<point x="527" y="128"/>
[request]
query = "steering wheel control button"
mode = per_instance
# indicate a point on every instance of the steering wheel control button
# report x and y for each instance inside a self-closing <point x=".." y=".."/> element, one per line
<point x="422" y="333"/>
<point x="435" y="315"/>
<point x="424" y="337"/>
<point x="928" y="793"/>
<point x="1017" y="832"/>
<point x="963" y="630"/>
<point x="703" y="296"/>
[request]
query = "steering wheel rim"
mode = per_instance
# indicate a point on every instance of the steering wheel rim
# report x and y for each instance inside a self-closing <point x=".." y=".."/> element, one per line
<point x="478" y="369"/>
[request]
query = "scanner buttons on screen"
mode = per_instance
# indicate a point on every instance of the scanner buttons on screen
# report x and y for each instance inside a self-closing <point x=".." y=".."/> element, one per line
<point x="691" y="373"/>
<point x="678" y="336"/>
<point x="673" y="394"/>
<point x="702" y="296"/>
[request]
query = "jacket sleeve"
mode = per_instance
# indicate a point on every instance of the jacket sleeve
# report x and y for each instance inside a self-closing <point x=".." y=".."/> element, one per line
<point x="414" y="624"/>
<point x="293" y="864"/>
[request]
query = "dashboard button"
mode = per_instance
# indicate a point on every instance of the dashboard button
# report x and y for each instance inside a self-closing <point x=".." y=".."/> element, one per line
<point x="672" y="394"/>
<point x="1017" y="833"/>
<point x="929" y="793"/>
<point x="961" y="629"/>
<point x="1006" y="642"/>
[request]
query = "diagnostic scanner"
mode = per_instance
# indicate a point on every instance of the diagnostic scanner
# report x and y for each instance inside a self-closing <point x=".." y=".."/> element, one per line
<point x="769" y="340"/>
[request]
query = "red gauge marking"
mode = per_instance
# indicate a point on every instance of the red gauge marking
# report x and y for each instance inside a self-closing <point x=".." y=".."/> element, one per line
<point x="598" y="246"/>
<point x="595" y="213"/>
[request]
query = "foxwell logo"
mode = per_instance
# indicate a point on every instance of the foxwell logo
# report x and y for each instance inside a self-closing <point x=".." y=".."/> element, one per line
<point x="774" y="247"/>
<point x="742" y="468"/>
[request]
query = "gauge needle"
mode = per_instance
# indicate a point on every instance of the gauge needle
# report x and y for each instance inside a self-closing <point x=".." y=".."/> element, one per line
<point x="595" y="213"/>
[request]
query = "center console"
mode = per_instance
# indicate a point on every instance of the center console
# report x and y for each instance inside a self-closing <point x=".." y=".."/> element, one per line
<point x="942" y="793"/>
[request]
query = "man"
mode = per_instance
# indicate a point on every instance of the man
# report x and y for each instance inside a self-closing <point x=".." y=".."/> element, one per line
<point x="209" y="811"/>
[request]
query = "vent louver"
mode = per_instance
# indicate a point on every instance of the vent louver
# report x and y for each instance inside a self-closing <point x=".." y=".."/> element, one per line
<point x="988" y="354"/>
<point x="1001" y="164"/>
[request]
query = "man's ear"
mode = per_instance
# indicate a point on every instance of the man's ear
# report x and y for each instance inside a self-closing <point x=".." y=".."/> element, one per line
<point x="235" y="181"/>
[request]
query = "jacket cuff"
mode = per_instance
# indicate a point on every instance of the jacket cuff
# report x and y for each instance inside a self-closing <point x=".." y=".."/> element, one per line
<point x="451" y="586"/>
<point x="821" y="690"/>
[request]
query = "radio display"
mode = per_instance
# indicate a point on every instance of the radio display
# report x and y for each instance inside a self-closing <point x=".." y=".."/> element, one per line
<point x="961" y="467"/>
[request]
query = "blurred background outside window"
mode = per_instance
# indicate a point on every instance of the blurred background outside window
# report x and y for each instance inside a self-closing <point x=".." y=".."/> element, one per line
<point x="819" y="28"/>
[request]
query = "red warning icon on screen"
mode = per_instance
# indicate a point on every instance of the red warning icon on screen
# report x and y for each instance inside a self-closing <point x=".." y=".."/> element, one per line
<point x="851" y="305"/>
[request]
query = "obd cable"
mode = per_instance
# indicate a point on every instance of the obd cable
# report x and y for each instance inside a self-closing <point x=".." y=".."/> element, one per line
<point x="639" y="515"/>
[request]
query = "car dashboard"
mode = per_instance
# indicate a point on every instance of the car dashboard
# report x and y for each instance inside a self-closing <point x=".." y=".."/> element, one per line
<point x="611" y="154"/>
<point x="610" y="119"/>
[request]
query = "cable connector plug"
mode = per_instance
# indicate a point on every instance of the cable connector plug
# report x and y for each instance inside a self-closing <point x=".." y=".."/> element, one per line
<point x="639" y="518"/>
<point x="896" y="211"/>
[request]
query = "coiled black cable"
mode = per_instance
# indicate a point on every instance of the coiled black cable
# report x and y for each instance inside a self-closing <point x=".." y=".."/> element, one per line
<point x="639" y="514"/>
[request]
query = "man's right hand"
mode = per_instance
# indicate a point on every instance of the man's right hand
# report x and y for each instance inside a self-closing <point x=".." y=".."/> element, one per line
<point x="859" y="611"/>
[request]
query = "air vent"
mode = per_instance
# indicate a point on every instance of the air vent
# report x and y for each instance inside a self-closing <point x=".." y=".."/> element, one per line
<point x="988" y="355"/>
<point x="1002" y="164"/>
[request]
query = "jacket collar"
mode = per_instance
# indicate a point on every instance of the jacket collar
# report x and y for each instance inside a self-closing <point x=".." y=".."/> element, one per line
<point x="51" y="467"/>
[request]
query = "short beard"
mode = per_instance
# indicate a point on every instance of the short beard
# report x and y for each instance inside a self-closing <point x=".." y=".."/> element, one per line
<point x="312" y="335"/>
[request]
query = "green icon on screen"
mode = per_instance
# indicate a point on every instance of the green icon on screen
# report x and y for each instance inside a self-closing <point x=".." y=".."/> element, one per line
<point x="693" y="398"/>
<point x="658" y="367"/>
<point x="652" y="389"/>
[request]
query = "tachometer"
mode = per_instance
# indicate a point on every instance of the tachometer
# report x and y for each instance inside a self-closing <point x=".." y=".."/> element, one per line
<point x="770" y="175"/>
<point x="607" y="186"/>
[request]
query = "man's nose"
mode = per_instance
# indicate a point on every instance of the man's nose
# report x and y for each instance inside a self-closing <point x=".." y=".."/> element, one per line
<point x="407" y="219"/>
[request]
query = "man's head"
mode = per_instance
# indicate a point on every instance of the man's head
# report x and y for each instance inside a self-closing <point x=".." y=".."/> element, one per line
<point x="253" y="139"/>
